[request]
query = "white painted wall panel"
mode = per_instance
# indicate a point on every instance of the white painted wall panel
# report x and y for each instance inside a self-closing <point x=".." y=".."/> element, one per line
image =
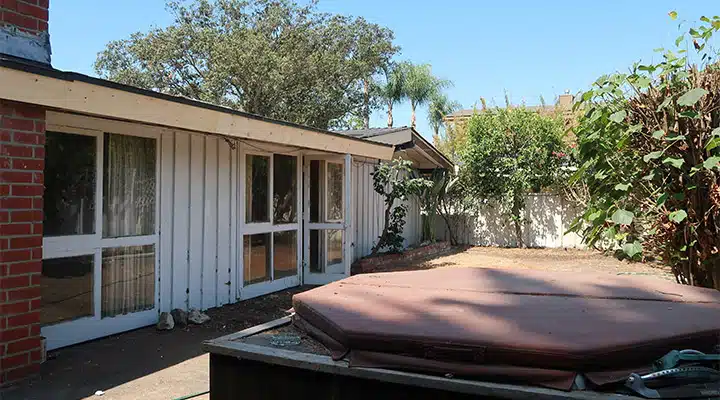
<point x="167" y="173"/>
<point x="196" y="207"/>
<point x="181" y="221"/>
<point x="209" y="240"/>
<point x="224" y="239"/>
<point x="197" y="221"/>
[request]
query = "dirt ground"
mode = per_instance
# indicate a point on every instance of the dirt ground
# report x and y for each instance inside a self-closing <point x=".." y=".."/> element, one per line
<point x="569" y="260"/>
<point x="149" y="364"/>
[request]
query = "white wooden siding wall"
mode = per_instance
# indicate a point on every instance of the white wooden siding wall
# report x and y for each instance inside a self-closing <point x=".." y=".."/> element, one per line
<point x="413" y="223"/>
<point x="198" y="203"/>
<point x="368" y="210"/>
<point x="547" y="217"/>
<point x="368" y="213"/>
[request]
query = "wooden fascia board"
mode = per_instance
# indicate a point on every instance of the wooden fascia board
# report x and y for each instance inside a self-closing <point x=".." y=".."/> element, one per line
<point x="95" y="100"/>
<point x="441" y="161"/>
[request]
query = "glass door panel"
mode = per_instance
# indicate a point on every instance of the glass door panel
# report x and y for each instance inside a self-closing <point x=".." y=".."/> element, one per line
<point x="67" y="289"/>
<point x="324" y="233"/>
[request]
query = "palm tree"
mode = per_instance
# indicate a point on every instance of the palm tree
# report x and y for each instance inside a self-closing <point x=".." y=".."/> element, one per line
<point x="440" y="106"/>
<point x="421" y="85"/>
<point x="393" y="90"/>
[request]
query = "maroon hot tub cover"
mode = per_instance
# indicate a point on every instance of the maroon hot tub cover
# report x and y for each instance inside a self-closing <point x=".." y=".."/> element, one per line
<point x="523" y="326"/>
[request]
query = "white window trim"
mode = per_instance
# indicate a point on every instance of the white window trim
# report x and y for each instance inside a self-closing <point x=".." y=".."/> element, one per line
<point x="86" y="328"/>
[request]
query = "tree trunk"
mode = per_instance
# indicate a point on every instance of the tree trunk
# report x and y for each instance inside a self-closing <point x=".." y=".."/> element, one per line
<point x="383" y="236"/>
<point x="412" y="115"/>
<point x="444" y="212"/>
<point x="453" y="239"/>
<point x="390" y="115"/>
<point x="517" y="221"/>
<point x="366" y="104"/>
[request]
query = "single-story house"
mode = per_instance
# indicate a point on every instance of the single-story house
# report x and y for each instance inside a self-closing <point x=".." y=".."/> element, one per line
<point x="119" y="203"/>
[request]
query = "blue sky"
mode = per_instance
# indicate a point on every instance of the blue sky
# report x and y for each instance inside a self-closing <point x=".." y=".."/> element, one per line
<point x="527" y="48"/>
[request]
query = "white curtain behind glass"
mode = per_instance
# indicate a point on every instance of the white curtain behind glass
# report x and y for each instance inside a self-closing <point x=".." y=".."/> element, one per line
<point x="128" y="280"/>
<point x="129" y="186"/>
<point x="129" y="176"/>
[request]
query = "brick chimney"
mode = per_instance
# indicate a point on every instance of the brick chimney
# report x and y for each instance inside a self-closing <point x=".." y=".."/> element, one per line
<point x="23" y="34"/>
<point x="24" y="29"/>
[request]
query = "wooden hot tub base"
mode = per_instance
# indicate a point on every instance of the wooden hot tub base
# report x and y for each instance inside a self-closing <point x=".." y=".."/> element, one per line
<point x="245" y="365"/>
<point x="234" y="378"/>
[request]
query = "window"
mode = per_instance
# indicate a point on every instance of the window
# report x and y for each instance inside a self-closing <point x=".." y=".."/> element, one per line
<point x="284" y="189"/>
<point x="315" y="251"/>
<point x="334" y="246"/>
<point x="270" y="250"/>
<point x="121" y="238"/>
<point x="128" y="280"/>
<point x="256" y="258"/>
<point x="66" y="289"/>
<point x="70" y="165"/>
<point x="334" y="192"/>
<point x="129" y="186"/>
<point x="257" y="174"/>
<point x="284" y="254"/>
<point x="315" y="190"/>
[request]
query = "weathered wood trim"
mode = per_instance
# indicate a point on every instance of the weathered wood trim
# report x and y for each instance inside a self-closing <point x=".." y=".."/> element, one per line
<point x="97" y="100"/>
<point x="325" y="364"/>
<point x="276" y="323"/>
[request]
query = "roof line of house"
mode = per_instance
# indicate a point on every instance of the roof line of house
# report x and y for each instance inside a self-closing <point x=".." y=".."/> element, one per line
<point x="416" y="140"/>
<point x="432" y="147"/>
<point x="20" y="64"/>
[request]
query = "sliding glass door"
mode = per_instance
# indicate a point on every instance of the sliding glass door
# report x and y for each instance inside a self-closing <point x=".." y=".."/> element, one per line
<point x="100" y="236"/>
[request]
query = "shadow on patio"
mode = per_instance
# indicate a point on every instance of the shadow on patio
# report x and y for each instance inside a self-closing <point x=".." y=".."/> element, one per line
<point x="131" y="365"/>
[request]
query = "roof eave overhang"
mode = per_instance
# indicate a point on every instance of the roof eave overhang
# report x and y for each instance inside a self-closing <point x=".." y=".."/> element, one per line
<point x="426" y="147"/>
<point x="107" y="102"/>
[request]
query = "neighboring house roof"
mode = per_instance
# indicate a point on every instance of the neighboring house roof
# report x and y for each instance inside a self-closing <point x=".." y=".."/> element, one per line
<point x="34" y="83"/>
<point x="408" y="143"/>
<point x="564" y="104"/>
<point x="471" y="111"/>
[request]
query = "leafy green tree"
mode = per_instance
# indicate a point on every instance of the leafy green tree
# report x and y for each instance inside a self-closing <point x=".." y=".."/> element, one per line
<point x="451" y="141"/>
<point x="269" y="57"/>
<point x="420" y="86"/>
<point x="440" y="107"/>
<point x="509" y="153"/>
<point x="395" y="181"/>
<point x="649" y="147"/>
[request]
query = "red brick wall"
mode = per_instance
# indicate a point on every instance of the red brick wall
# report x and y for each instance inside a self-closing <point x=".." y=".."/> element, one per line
<point x="27" y="15"/>
<point x="22" y="158"/>
<point x="386" y="262"/>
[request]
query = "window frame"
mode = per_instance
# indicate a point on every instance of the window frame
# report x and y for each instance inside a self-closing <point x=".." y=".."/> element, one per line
<point x="254" y="228"/>
<point x="72" y="331"/>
